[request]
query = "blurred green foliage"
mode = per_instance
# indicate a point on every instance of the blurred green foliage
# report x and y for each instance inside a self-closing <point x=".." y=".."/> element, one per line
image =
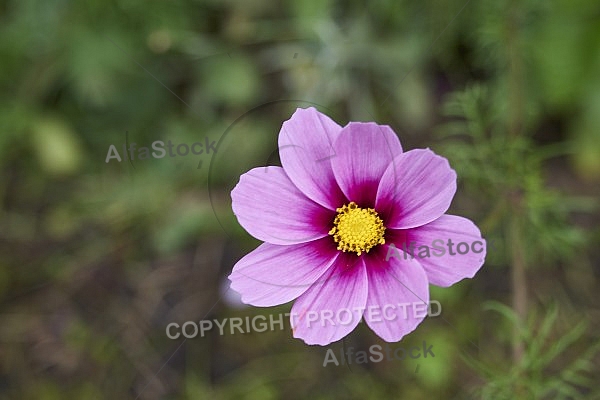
<point x="97" y="258"/>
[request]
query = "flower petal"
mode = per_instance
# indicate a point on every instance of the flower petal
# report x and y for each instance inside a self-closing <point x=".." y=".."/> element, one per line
<point x="269" y="206"/>
<point x="445" y="269"/>
<point x="305" y="149"/>
<point x="398" y="295"/>
<point x="330" y="309"/>
<point x="272" y="274"/>
<point x="417" y="188"/>
<point x="363" y="151"/>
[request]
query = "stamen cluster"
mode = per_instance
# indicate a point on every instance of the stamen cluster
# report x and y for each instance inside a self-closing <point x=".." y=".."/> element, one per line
<point x="357" y="229"/>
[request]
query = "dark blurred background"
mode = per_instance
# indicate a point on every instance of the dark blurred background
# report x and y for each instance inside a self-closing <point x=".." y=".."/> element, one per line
<point x="96" y="257"/>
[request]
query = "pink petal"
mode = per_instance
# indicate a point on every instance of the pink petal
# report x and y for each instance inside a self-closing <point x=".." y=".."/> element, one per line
<point x="305" y="150"/>
<point x="273" y="274"/>
<point x="339" y="295"/>
<point x="417" y="188"/>
<point x="364" y="150"/>
<point x="446" y="269"/>
<point x="269" y="206"/>
<point x="393" y="284"/>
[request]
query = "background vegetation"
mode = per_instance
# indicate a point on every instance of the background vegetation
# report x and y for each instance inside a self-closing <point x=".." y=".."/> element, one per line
<point x="97" y="258"/>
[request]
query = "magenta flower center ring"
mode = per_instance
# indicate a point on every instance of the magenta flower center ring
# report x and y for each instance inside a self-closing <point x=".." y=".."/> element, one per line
<point x="357" y="229"/>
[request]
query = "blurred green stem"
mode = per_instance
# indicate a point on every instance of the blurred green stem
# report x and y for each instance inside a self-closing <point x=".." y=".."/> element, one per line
<point x="518" y="277"/>
<point x="515" y="195"/>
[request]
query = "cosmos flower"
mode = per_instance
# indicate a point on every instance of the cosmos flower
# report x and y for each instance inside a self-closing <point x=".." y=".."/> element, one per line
<point x="328" y="218"/>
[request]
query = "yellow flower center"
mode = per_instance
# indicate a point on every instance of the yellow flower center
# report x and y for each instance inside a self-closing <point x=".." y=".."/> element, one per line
<point x="357" y="229"/>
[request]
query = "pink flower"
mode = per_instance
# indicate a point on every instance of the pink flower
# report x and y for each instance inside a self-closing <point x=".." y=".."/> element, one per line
<point x="329" y="217"/>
